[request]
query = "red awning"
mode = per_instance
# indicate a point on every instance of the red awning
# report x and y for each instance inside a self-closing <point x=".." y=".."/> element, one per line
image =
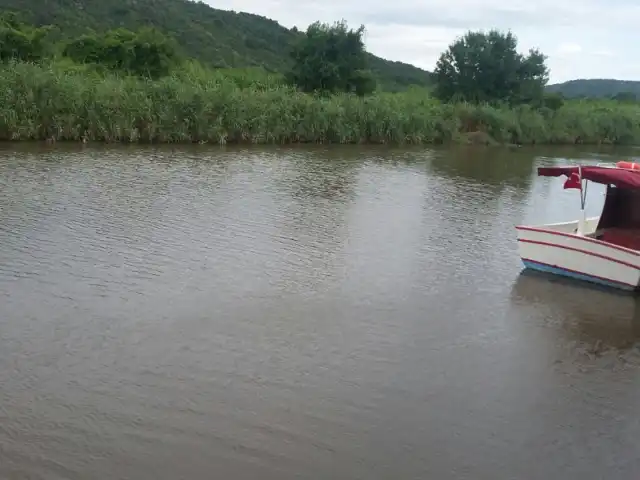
<point x="609" y="176"/>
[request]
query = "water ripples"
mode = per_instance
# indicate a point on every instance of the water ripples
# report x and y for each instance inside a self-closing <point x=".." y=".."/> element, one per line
<point x="288" y="313"/>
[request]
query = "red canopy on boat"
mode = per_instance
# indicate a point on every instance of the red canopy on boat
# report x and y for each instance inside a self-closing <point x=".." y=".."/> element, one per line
<point x="619" y="177"/>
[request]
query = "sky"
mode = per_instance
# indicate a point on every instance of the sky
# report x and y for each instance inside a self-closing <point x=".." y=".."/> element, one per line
<point x="581" y="38"/>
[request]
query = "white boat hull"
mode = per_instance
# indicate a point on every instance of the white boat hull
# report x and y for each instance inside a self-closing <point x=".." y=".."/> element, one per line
<point x="557" y="249"/>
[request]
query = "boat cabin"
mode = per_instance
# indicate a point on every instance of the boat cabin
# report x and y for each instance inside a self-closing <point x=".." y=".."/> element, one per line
<point x="620" y="219"/>
<point x="619" y="222"/>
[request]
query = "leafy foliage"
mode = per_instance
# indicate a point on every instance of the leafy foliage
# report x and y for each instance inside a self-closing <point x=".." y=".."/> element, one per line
<point x="60" y="101"/>
<point x="331" y="58"/>
<point x="553" y="101"/>
<point x="80" y="93"/>
<point x="218" y="38"/>
<point x="19" y="41"/>
<point x="625" y="97"/>
<point x="145" y="53"/>
<point x="397" y="76"/>
<point x="486" y="67"/>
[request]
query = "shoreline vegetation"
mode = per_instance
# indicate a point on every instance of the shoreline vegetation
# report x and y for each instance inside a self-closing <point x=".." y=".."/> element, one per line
<point x="63" y="102"/>
<point x="76" y="95"/>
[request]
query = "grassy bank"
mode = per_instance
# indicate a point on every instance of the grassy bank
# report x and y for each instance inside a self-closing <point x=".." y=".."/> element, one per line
<point x="60" y="101"/>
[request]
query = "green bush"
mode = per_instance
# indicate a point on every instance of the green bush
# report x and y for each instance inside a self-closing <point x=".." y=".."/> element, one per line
<point x="60" y="100"/>
<point x="145" y="53"/>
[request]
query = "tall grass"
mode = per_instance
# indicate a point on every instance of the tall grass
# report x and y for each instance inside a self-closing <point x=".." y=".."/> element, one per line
<point x="62" y="101"/>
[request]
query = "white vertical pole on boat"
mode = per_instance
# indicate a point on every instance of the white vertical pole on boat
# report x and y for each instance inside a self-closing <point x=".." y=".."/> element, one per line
<point x="582" y="220"/>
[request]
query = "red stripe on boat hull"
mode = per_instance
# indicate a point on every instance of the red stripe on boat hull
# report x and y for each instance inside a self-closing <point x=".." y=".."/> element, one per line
<point x="577" y="237"/>
<point x="579" y="250"/>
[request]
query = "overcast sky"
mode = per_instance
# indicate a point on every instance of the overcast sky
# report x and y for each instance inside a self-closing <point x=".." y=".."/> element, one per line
<point x="582" y="38"/>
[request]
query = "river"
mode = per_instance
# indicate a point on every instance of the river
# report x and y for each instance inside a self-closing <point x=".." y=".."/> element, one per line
<point x="309" y="313"/>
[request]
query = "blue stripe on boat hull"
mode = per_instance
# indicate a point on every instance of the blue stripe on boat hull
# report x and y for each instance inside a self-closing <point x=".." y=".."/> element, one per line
<point x="541" y="267"/>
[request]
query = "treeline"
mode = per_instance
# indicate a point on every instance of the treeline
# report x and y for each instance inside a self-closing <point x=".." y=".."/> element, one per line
<point x="327" y="58"/>
<point x="126" y="86"/>
<point x="50" y="101"/>
<point x="598" y="88"/>
<point x="623" y="97"/>
<point x="146" y="53"/>
<point x="216" y="38"/>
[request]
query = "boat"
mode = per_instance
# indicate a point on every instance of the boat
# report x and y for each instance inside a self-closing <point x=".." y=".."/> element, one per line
<point x="604" y="249"/>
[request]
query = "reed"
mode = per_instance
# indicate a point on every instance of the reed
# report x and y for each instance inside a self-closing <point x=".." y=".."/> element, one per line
<point x="62" y="101"/>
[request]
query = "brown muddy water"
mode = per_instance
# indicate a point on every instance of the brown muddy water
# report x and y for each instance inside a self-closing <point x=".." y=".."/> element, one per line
<point x="307" y="313"/>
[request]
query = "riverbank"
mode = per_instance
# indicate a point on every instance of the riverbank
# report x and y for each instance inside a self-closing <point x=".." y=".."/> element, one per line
<point x="62" y="102"/>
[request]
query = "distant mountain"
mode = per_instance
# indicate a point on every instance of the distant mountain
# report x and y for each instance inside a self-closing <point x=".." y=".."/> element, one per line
<point x="596" y="88"/>
<point x="217" y="37"/>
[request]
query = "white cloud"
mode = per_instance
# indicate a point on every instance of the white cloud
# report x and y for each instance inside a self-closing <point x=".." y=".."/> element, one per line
<point x="568" y="49"/>
<point x="603" y="52"/>
<point x="582" y="38"/>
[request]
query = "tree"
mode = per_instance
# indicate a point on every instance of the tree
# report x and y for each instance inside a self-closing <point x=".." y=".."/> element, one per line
<point x="553" y="101"/>
<point x="626" y="97"/>
<point x="145" y="53"/>
<point x="19" y="41"/>
<point x="486" y="67"/>
<point x="331" y="58"/>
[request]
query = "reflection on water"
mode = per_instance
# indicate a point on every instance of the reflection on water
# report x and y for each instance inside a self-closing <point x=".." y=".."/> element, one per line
<point x="301" y="313"/>
<point x="591" y="315"/>
<point x="489" y="168"/>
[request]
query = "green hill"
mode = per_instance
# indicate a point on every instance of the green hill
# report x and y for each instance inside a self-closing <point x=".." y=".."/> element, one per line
<point x="215" y="37"/>
<point x="596" y="88"/>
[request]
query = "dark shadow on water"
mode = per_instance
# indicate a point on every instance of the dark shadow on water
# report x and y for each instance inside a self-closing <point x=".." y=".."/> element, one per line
<point x="513" y="166"/>
<point x="570" y="152"/>
<point x="491" y="169"/>
<point x="573" y="284"/>
<point x="600" y="153"/>
<point x="583" y="312"/>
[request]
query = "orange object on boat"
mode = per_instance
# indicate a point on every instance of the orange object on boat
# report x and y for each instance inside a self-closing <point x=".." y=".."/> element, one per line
<point x="628" y="165"/>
